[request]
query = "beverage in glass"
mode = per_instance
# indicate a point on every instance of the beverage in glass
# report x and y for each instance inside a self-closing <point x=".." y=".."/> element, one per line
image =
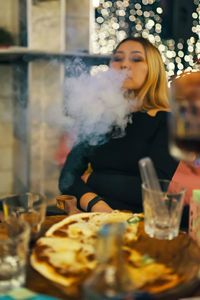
<point x="30" y="207"/>
<point x="184" y="124"/>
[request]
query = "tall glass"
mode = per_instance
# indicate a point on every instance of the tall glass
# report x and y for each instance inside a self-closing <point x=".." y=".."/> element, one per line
<point x="185" y="121"/>
<point x="14" y="238"/>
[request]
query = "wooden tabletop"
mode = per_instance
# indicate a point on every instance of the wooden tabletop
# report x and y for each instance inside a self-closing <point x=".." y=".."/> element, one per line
<point x="178" y="253"/>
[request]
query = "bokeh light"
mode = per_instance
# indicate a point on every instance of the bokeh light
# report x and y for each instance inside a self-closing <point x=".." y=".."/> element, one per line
<point x="115" y="20"/>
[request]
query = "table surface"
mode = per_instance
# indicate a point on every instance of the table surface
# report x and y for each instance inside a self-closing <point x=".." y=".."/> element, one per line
<point x="36" y="282"/>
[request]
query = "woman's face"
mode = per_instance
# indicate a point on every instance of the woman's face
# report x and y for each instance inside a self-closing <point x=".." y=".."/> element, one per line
<point x="131" y="58"/>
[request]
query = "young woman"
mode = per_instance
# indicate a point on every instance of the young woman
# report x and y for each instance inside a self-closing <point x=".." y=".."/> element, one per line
<point x="115" y="182"/>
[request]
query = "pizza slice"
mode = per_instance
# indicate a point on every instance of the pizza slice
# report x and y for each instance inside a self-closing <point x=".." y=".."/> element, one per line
<point x="148" y="274"/>
<point x="86" y="225"/>
<point x="63" y="260"/>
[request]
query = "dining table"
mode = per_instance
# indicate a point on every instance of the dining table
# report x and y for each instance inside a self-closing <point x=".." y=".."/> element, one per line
<point x="39" y="284"/>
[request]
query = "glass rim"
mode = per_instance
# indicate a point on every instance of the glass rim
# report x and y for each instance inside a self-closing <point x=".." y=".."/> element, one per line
<point x="5" y="196"/>
<point x="167" y="181"/>
<point x="183" y="75"/>
<point x="7" y="199"/>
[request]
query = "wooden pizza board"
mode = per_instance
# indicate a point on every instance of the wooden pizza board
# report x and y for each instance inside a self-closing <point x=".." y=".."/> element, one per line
<point x="182" y="254"/>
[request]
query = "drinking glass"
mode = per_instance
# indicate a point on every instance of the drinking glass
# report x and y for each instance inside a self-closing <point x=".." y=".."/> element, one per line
<point x="184" y="124"/>
<point x="14" y="239"/>
<point x="163" y="209"/>
<point x="30" y="207"/>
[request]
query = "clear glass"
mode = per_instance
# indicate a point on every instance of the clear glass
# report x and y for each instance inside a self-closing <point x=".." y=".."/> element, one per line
<point x="14" y="239"/>
<point x="163" y="210"/>
<point x="30" y="207"/>
<point x="110" y="279"/>
<point x="184" y="124"/>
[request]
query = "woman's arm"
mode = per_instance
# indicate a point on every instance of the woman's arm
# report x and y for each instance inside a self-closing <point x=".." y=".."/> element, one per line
<point x="121" y="191"/>
<point x="100" y="206"/>
<point x="70" y="181"/>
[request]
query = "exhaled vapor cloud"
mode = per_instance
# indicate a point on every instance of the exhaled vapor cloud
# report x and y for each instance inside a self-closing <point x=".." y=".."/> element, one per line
<point x="94" y="105"/>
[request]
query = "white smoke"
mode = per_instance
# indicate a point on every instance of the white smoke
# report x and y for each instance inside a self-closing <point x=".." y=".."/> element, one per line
<point x="94" y="105"/>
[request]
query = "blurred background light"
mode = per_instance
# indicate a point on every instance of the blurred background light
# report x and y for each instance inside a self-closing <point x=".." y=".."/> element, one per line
<point x="157" y="20"/>
<point x="96" y="3"/>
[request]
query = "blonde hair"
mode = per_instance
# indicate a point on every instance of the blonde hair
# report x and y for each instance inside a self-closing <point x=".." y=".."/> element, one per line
<point x="154" y="92"/>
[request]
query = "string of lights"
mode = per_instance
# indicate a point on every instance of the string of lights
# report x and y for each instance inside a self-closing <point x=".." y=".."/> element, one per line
<point x="115" y="20"/>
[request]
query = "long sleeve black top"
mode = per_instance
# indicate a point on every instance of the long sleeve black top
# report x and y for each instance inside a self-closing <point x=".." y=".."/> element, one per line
<point x="115" y="174"/>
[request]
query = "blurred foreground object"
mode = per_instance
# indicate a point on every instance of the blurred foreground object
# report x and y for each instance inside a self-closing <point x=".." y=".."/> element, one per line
<point x="194" y="219"/>
<point x="185" y="121"/>
<point x="30" y="207"/>
<point x="14" y="239"/>
<point x="111" y="279"/>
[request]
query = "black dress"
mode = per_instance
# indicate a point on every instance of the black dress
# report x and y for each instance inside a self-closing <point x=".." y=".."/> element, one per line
<point x="115" y="174"/>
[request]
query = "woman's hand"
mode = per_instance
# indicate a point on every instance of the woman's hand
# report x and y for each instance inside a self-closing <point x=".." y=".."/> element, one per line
<point x="101" y="206"/>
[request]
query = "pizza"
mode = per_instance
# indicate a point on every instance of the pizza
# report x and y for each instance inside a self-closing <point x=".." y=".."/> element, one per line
<point x="66" y="254"/>
<point x="84" y="226"/>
